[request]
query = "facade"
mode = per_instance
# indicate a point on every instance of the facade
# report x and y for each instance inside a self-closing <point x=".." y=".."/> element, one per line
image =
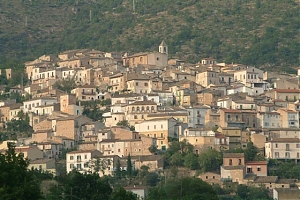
<point x="283" y="148"/>
<point x="196" y="116"/>
<point x="152" y="58"/>
<point x="162" y="129"/>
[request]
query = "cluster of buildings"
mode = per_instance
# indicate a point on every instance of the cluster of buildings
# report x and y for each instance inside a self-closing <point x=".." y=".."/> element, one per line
<point x="209" y="104"/>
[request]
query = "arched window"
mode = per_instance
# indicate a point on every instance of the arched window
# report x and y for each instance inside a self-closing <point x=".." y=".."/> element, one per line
<point x="147" y="108"/>
<point x="143" y="109"/>
<point x="137" y="109"/>
<point x="132" y="109"/>
<point x="152" y="108"/>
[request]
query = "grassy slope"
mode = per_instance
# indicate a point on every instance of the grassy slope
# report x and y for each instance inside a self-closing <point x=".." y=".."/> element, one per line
<point x="262" y="33"/>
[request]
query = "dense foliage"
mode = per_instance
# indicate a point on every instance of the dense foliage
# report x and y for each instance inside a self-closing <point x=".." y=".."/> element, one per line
<point x="184" y="188"/>
<point x="16" y="182"/>
<point x="253" y="32"/>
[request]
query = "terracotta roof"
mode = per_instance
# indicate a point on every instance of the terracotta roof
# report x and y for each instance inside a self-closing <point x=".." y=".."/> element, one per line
<point x="233" y="155"/>
<point x="40" y="161"/>
<point x="266" y="179"/>
<point x="143" y="103"/>
<point x="285" y="140"/>
<point x="241" y="167"/>
<point x="287" y="90"/>
<point x="256" y="163"/>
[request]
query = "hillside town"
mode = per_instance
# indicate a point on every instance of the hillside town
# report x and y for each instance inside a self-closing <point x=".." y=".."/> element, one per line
<point x="84" y="107"/>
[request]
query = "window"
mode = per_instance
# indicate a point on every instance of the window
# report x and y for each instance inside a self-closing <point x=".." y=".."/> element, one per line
<point x="276" y="145"/>
<point x="161" y="126"/>
<point x="86" y="165"/>
<point x="154" y="126"/>
<point x="154" y="135"/>
<point x="230" y="161"/>
<point x="206" y="177"/>
<point x="71" y="157"/>
<point x="136" y="84"/>
<point x="276" y="154"/>
<point x="71" y="166"/>
<point x="148" y="127"/>
<point x="78" y="157"/>
<point x="161" y="135"/>
<point x="135" y="117"/>
<point x="297" y="145"/>
<point x="258" y="169"/>
<point x="240" y="161"/>
<point x="145" y="84"/>
<point x="161" y="142"/>
<point x="79" y="166"/>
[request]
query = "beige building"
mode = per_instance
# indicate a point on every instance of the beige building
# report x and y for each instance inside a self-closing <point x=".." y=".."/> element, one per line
<point x="30" y="152"/>
<point x="283" y="148"/>
<point x="233" y="168"/>
<point x="117" y="82"/>
<point x="137" y="111"/>
<point x="258" y="168"/>
<point x="290" y="118"/>
<point x="151" y="58"/>
<point x="290" y="95"/>
<point x="211" y="178"/>
<point x="207" y="78"/>
<point x="85" y="93"/>
<point x="139" y="84"/>
<point x="162" y="129"/>
<point x="44" y="165"/>
<point x="154" y="162"/>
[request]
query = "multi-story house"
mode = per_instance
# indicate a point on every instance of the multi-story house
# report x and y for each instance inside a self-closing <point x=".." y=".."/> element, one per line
<point x="243" y="105"/>
<point x="233" y="168"/>
<point x="44" y="165"/>
<point x="85" y="93"/>
<point x="290" y="95"/>
<point x="196" y="115"/>
<point x="153" y="58"/>
<point x="139" y="84"/>
<point x="30" y="105"/>
<point x="283" y="148"/>
<point x="234" y="134"/>
<point x="269" y="119"/>
<point x="50" y="149"/>
<point x="162" y="129"/>
<point x="203" y="139"/>
<point x="126" y="98"/>
<point x="138" y="110"/>
<point x="117" y="82"/>
<point x="290" y="118"/>
<point x="238" y="118"/>
<point x="86" y="162"/>
<point x="207" y="78"/>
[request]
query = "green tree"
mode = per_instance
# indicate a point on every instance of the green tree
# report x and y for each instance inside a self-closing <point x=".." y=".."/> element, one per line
<point x="118" y="169"/>
<point x="152" y="179"/>
<point x="129" y="166"/>
<point x="177" y="159"/>
<point x="184" y="188"/>
<point x="153" y="149"/>
<point x="210" y="160"/>
<point x="16" y="182"/>
<point x="191" y="161"/>
<point x="251" y="152"/>
<point x="122" y="194"/>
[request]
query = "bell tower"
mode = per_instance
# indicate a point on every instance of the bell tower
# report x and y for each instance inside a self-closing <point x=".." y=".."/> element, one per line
<point x="163" y="47"/>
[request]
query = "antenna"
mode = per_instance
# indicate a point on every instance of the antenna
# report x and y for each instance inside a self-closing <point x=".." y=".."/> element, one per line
<point x="90" y="15"/>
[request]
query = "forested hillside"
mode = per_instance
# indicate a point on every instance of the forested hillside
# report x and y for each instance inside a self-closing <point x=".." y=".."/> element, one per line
<point x="263" y="33"/>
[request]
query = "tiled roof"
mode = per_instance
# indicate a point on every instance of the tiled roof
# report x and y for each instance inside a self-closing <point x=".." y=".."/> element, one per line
<point x="285" y="140"/>
<point x="287" y="90"/>
<point x="266" y="179"/>
<point x="233" y="155"/>
<point x="143" y="103"/>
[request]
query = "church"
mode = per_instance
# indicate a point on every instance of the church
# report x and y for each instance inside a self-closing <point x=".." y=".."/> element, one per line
<point x="159" y="58"/>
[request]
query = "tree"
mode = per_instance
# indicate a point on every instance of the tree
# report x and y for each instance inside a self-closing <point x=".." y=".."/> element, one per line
<point x="144" y="170"/>
<point x="118" y="169"/>
<point x="153" y="149"/>
<point x="184" y="188"/>
<point x="250" y="152"/>
<point x="16" y="182"/>
<point x="122" y="194"/>
<point x="129" y="166"/>
<point x="152" y="179"/>
<point x="177" y="159"/>
<point x="210" y="160"/>
<point x="191" y="161"/>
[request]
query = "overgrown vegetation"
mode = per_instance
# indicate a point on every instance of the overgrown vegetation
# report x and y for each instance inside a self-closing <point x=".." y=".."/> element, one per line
<point x="261" y="33"/>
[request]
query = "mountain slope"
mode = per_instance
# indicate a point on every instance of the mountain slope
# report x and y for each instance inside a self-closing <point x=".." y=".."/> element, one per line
<point x="262" y="33"/>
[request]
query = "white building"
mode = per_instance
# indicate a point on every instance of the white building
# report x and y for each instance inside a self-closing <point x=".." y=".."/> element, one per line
<point x="283" y="148"/>
<point x="196" y="115"/>
<point x="86" y="161"/>
<point x="269" y="120"/>
<point x="33" y="103"/>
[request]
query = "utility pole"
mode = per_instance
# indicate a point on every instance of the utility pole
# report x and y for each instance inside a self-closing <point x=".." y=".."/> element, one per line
<point x="133" y="5"/>
<point x="25" y="21"/>
<point x="90" y="15"/>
